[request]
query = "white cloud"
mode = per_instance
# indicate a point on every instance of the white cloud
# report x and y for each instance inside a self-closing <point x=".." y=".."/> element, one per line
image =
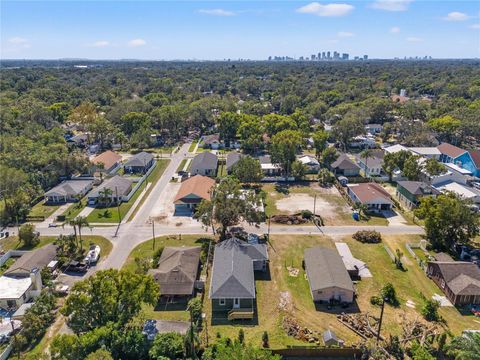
<point x="101" y="43"/>
<point x="137" y="42"/>
<point x="456" y="16"/>
<point x="318" y="9"/>
<point x="474" y="26"/>
<point x="391" y="5"/>
<point x="216" y="12"/>
<point x="18" y="43"/>
<point x="414" y="39"/>
<point x="395" y="30"/>
<point x="345" y="34"/>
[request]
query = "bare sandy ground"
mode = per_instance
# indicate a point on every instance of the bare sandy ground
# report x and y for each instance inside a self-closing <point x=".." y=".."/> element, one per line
<point x="297" y="202"/>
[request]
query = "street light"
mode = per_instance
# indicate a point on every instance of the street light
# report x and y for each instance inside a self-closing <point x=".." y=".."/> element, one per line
<point x="152" y="221"/>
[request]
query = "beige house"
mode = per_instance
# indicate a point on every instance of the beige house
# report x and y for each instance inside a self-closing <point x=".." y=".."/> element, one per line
<point x="328" y="278"/>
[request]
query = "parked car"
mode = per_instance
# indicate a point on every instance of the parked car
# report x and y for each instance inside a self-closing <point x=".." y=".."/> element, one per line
<point x="93" y="254"/>
<point x="53" y="225"/>
<point x="77" y="267"/>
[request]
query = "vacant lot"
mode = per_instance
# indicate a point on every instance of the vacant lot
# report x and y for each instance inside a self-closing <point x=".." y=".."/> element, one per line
<point x="329" y="204"/>
<point x="43" y="210"/>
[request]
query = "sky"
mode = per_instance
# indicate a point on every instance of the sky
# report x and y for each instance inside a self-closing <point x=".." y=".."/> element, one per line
<point x="216" y="30"/>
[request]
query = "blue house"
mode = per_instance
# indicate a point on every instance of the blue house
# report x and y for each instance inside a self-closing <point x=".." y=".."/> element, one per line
<point x="468" y="160"/>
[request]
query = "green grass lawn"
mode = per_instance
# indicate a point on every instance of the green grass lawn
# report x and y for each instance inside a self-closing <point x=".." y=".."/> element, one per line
<point x="75" y="209"/>
<point x="43" y="210"/>
<point x="181" y="165"/>
<point x="98" y="214"/>
<point x="192" y="146"/>
<point x="6" y="265"/>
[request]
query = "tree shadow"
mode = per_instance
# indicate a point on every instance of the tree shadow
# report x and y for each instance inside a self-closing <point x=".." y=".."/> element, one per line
<point x="352" y="308"/>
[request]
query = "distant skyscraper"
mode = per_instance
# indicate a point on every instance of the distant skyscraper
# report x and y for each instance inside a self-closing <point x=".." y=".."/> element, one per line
<point x="269" y="58"/>
<point x="336" y="55"/>
<point x="344" y="56"/>
<point x="323" y="55"/>
<point x="319" y="56"/>
<point x="328" y="54"/>
<point x="365" y="57"/>
<point x="312" y="57"/>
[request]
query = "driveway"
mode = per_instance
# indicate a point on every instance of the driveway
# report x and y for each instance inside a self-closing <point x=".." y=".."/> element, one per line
<point x="393" y="217"/>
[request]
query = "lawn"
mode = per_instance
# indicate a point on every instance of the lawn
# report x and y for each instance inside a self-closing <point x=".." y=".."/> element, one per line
<point x="98" y="214"/>
<point x="287" y="250"/>
<point x="42" y="210"/>
<point x="334" y="211"/>
<point x="74" y="210"/>
<point x="145" y="251"/>
<point x="192" y="145"/>
<point x="12" y="242"/>
<point x="182" y="165"/>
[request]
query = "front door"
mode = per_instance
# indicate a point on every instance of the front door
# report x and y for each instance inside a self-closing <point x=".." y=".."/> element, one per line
<point x="236" y="303"/>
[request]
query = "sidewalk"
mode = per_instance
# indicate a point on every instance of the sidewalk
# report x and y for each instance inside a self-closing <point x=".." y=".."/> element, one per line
<point x="135" y="204"/>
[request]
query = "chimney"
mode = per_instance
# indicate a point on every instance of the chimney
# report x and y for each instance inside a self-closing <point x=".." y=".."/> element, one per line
<point x="36" y="278"/>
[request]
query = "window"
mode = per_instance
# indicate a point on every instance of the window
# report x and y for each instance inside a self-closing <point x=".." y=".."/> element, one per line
<point x="442" y="284"/>
<point x="221" y="302"/>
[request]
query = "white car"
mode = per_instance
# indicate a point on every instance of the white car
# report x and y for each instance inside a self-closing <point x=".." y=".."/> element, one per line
<point x="93" y="254"/>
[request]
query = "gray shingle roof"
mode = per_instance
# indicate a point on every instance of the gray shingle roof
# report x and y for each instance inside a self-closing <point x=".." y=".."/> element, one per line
<point x="232" y="159"/>
<point x="325" y="269"/>
<point x="344" y="163"/>
<point x="418" y="188"/>
<point x="122" y="185"/>
<point x="177" y="270"/>
<point x="38" y="259"/>
<point x="69" y="188"/>
<point x="232" y="274"/>
<point x="140" y="159"/>
<point x="205" y="160"/>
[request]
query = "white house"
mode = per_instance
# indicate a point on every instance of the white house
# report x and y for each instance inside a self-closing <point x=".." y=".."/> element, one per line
<point x="310" y="162"/>
<point x="374" y="196"/>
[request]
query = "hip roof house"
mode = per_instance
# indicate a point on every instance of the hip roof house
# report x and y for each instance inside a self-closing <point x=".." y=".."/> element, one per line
<point x="177" y="270"/>
<point x="192" y="192"/>
<point x="107" y="161"/>
<point x="69" y="190"/>
<point x="113" y="190"/>
<point x="139" y="163"/>
<point x="204" y="164"/>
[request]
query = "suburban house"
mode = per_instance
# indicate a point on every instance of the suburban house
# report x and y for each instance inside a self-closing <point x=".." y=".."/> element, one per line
<point x="177" y="271"/>
<point x="373" y="129"/>
<point x="232" y="159"/>
<point x="139" y="163"/>
<point x="371" y="166"/>
<point x="232" y="287"/>
<point x="411" y="192"/>
<point x="462" y="190"/>
<point x="113" y="190"/>
<point x="107" y="161"/>
<point x="211" y="142"/>
<point x="367" y="142"/>
<point x="192" y="191"/>
<point x="311" y="163"/>
<point x="371" y="194"/>
<point x="78" y="140"/>
<point x="426" y="152"/>
<point x="67" y="191"/>
<point x="468" y="160"/>
<point x="328" y="278"/>
<point x="23" y="281"/>
<point x="269" y="169"/>
<point x="204" y="164"/>
<point x="460" y="281"/>
<point x="344" y="166"/>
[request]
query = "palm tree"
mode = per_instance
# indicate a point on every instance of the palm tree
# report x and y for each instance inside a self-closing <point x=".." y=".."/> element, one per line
<point x="366" y="154"/>
<point x="105" y="195"/>
<point x="79" y="221"/>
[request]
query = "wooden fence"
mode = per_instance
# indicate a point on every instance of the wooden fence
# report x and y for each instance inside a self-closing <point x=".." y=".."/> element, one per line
<point x="318" y="352"/>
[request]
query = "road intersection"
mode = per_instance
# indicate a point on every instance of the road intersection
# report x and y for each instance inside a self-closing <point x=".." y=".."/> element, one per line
<point x="132" y="233"/>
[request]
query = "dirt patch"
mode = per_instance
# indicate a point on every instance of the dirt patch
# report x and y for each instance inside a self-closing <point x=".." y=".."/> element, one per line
<point x="293" y="271"/>
<point x="285" y="301"/>
<point x="297" y="202"/>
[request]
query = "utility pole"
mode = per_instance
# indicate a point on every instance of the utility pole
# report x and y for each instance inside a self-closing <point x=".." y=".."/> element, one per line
<point x="314" y="203"/>
<point x="118" y="210"/>
<point x="153" y="232"/>
<point x="268" y="232"/>
<point x="381" y="319"/>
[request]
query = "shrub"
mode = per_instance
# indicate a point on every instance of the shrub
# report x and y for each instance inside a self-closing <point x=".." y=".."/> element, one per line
<point x="241" y="336"/>
<point x="195" y="306"/>
<point x="368" y="236"/>
<point x="376" y="300"/>
<point x="430" y="310"/>
<point x="306" y="214"/>
<point x="28" y="235"/>
<point x="156" y="256"/>
<point x="389" y="294"/>
<point x="265" y="340"/>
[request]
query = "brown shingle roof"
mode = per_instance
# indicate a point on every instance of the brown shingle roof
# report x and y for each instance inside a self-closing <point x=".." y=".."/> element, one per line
<point x="475" y="154"/>
<point x="463" y="278"/>
<point x="450" y="150"/>
<point x="198" y="185"/>
<point x="369" y="191"/>
<point x="107" y="158"/>
<point x="177" y="270"/>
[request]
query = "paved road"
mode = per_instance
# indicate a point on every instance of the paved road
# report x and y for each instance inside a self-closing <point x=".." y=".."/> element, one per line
<point x="138" y="230"/>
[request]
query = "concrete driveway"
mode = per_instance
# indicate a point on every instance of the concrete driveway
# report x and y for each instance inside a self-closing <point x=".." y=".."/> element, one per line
<point x="393" y="217"/>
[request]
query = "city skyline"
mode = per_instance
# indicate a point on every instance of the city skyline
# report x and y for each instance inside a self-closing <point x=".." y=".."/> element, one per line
<point x="242" y="29"/>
